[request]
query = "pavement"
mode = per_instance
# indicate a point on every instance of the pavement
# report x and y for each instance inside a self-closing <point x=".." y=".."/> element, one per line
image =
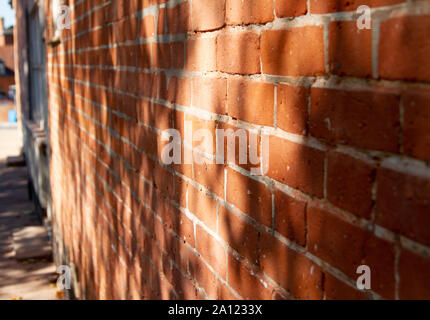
<point x="31" y="279"/>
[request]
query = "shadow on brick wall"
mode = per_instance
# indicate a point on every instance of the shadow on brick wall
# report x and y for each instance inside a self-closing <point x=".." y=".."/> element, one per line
<point x="138" y="244"/>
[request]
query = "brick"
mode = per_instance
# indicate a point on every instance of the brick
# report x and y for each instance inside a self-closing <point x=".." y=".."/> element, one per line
<point x="292" y="108"/>
<point x="207" y="145"/>
<point x="404" y="48"/>
<point x="240" y="235"/>
<point x="127" y="55"/>
<point x="144" y="55"/>
<point x="184" y="286"/>
<point x="162" y="86"/>
<point x="161" y="21"/>
<point x="179" y="91"/>
<point x="178" y="55"/>
<point x="290" y="269"/>
<point x="416" y="135"/>
<point x="119" y="9"/>
<point x="186" y="230"/>
<point x="414" y="276"/>
<point x="212" y="251"/>
<point x="181" y="188"/>
<point x="290" y="217"/>
<point x="304" y="47"/>
<point x="147" y="27"/>
<point x="326" y="6"/>
<point x="204" y="277"/>
<point x="297" y="166"/>
<point x="252" y="11"/>
<point x="125" y="30"/>
<point x="402" y="204"/>
<point x="349" y="183"/>
<point x="147" y="84"/>
<point x="285" y="8"/>
<point x="154" y="2"/>
<point x="160" y="55"/>
<point x="337" y="290"/>
<point x="160" y="117"/>
<point x="224" y="293"/>
<point x="251" y="101"/>
<point x="210" y="94"/>
<point x="163" y="180"/>
<point x="178" y="18"/>
<point x="201" y="54"/>
<point x="250" y="196"/>
<point x="207" y="14"/>
<point x="211" y="176"/>
<point x="101" y="36"/>
<point x="244" y="281"/>
<point x="238" y="52"/>
<point x="353" y="118"/>
<point x="350" y="49"/>
<point x="345" y="246"/>
<point x="203" y="207"/>
<point x="244" y="149"/>
<point x="169" y="213"/>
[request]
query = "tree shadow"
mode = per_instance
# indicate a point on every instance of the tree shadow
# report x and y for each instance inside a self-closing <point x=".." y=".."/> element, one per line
<point x="138" y="229"/>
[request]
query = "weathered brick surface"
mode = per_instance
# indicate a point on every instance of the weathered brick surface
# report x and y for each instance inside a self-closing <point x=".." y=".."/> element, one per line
<point x="251" y="101"/>
<point x="238" y="52"/>
<point x="321" y="6"/>
<point x="354" y="118"/>
<point x="350" y="49"/>
<point x="253" y="11"/>
<point x="346" y="116"/>
<point x="207" y="15"/>
<point x="409" y="60"/>
<point x="290" y="217"/>
<point x="349" y="183"/>
<point x="292" y="270"/>
<point x="292" y="108"/>
<point x="413" y="284"/>
<point x="304" y="47"/>
<point x="285" y="8"/>
<point x="402" y="204"/>
<point x="347" y="246"/>
<point x="416" y="135"/>
<point x="298" y="166"/>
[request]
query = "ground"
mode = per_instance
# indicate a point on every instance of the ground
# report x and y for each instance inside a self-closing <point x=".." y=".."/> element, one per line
<point x="26" y="279"/>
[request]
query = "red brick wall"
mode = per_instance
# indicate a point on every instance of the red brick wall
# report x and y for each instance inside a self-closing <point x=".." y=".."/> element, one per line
<point x="348" y="116"/>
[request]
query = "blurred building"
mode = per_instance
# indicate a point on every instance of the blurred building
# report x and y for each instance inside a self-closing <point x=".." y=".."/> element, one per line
<point x="7" y="76"/>
<point x="31" y="96"/>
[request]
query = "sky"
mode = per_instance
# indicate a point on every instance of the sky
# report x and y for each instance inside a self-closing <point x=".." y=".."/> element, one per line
<point x="7" y="13"/>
